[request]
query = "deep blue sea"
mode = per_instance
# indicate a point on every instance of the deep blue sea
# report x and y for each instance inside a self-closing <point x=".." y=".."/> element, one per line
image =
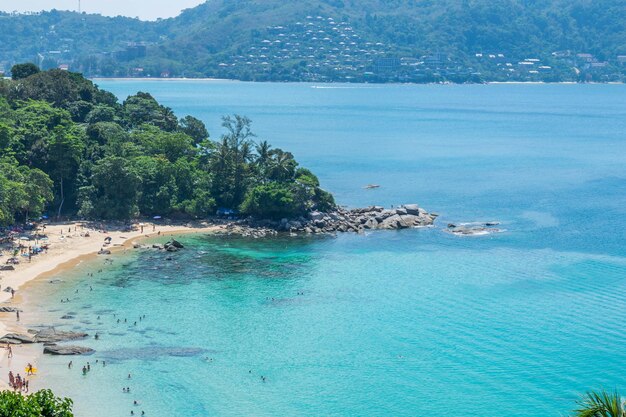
<point x="410" y="323"/>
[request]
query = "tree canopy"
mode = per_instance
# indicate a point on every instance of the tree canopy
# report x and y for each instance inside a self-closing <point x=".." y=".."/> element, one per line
<point x="40" y="404"/>
<point x="68" y="148"/>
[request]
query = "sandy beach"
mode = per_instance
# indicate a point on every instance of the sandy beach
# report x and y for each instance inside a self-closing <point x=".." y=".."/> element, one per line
<point x="69" y="243"/>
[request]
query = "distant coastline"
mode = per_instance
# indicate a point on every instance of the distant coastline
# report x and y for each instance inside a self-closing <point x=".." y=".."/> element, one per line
<point x="163" y="79"/>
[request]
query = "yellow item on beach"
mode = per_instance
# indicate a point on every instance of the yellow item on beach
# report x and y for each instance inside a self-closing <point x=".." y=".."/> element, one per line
<point x="33" y="371"/>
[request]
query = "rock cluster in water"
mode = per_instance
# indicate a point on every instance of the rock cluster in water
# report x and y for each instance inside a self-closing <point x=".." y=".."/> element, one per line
<point x="338" y="221"/>
<point x="473" y="229"/>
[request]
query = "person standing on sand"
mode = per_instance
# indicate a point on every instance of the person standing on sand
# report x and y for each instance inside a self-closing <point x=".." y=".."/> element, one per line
<point x="12" y="293"/>
<point x="17" y="314"/>
<point x="11" y="379"/>
<point x="10" y="354"/>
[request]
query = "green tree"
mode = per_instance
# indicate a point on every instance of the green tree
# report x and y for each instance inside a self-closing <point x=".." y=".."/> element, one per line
<point x="194" y="128"/>
<point x="154" y="141"/>
<point x="40" y="404"/>
<point x="6" y="132"/>
<point x="142" y="108"/>
<point x="601" y="404"/>
<point x="273" y="201"/>
<point x="100" y="113"/>
<point x="21" y="71"/>
<point x="64" y="154"/>
<point x="231" y="161"/>
<point x="113" y="192"/>
<point x="282" y="166"/>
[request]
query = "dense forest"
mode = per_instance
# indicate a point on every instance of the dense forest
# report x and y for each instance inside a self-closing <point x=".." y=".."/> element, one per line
<point x="272" y="40"/>
<point x="68" y="148"/>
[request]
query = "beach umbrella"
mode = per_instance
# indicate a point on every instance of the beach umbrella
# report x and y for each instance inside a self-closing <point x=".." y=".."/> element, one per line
<point x="157" y="217"/>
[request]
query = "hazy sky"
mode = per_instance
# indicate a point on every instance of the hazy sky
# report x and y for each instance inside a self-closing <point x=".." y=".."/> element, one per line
<point x="144" y="9"/>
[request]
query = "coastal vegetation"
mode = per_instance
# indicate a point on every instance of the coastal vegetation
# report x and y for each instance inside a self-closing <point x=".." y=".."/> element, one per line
<point x="40" y="404"/>
<point x="336" y="40"/>
<point x="68" y="148"/>
<point x="601" y="404"/>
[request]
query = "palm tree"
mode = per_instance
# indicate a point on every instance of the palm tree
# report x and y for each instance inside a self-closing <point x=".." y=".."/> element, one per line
<point x="263" y="151"/>
<point x="601" y="404"/>
<point x="283" y="165"/>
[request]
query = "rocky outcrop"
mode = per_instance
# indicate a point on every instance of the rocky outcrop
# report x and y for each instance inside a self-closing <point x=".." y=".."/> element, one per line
<point x="17" y="339"/>
<point x="174" y="243"/>
<point x="338" y="221"/>
<point x="67" y="350"/>
<point x="50" y="335"/>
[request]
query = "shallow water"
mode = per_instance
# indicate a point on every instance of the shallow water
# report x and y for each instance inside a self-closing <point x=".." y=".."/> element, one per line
<point x="417" y="322"/>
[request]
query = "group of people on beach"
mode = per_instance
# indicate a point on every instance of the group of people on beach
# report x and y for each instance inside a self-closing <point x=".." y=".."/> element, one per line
<point x="17" y="382"/>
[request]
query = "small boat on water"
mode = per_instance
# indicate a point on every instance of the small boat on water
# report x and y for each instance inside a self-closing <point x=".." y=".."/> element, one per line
<point x="371" y="186"/>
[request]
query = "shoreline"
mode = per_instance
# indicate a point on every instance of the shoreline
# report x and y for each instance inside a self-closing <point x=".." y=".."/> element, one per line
<point x="66" y="251"/>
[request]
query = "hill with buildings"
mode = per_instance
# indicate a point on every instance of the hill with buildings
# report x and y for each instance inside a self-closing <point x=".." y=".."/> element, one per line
<point x="337" y="40"/>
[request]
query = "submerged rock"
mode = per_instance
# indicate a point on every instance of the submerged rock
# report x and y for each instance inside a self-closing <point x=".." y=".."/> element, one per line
<point x="473" y="229"/>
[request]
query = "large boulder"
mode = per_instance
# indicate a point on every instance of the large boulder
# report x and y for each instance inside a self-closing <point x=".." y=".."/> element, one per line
<point x="371" y="223"/>
<point x="316" y="215"/>
<point x="413" y="209"/>
<point x="50" y="335"/>
<point x="393" y="222"/>
<point x="67" y="350"/>
<point x="175" y="243"/>
<point x="16" y="339"/>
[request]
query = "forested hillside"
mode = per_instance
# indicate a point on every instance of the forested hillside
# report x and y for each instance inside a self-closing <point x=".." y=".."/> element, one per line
<point x="338" y="40"/>
<point x="68" y="148"/>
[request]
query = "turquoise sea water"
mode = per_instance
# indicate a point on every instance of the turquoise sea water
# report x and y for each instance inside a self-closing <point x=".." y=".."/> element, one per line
<point x="405" y="323"/>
